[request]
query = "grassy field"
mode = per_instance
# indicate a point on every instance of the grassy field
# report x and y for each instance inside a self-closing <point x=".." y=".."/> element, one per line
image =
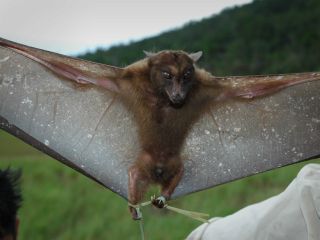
<point x="60" y="203"/>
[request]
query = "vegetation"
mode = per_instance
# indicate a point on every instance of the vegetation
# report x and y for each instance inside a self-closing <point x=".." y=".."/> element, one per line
<point x="267" y="36"/>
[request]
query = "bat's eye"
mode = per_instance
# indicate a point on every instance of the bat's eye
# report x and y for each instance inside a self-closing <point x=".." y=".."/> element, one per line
<point x="166" y="75"/>
<point x="187" y="74"/>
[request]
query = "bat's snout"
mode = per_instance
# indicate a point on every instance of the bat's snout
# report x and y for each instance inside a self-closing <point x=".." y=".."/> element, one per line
<point x="177" y="100"/>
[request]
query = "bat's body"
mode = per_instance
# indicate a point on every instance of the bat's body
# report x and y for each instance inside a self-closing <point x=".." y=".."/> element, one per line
<point x="166" y="94"/>
<point x="162" y="124"/>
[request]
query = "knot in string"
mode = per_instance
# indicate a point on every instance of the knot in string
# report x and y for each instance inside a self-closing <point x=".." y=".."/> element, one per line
<point x="160" y="202"/>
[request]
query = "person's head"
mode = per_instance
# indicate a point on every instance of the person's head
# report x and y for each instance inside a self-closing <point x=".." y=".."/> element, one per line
<point x="10" y="201"/>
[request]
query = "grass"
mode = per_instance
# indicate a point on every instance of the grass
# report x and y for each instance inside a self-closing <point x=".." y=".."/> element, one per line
<point x="60" y="203"/>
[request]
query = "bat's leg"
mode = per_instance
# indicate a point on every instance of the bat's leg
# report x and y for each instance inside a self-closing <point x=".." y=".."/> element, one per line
<point x="168" y="187"/>
<point x="137" y="185"/>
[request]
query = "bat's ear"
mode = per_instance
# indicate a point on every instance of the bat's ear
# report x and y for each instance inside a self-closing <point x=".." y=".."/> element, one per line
<point x="148" y="54"/>
<point x="195" y="56"/>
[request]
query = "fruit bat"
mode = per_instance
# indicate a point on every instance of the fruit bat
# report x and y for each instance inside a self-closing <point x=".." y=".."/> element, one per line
<point x="161" y="120"/>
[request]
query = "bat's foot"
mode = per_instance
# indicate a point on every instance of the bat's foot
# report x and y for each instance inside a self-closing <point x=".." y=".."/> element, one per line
<point x="135" y="213"/>
<point x="159" y="202"/>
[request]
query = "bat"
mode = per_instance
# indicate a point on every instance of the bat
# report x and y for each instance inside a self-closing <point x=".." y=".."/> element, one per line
<point x="158" y="118"/>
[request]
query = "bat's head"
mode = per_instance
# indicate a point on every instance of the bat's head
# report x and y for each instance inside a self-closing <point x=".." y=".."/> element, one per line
<point x="172" y="74"/>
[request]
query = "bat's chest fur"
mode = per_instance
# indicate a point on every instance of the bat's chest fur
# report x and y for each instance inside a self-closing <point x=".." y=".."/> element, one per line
<point x="163" y="130"/>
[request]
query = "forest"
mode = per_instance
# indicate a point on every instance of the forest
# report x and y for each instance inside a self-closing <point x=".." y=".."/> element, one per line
<point x="266" y="36"/>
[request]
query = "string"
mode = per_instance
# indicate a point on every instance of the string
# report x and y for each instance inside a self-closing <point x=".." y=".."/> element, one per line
<point x="141" y="229"/>
<point x="202" y="217"/>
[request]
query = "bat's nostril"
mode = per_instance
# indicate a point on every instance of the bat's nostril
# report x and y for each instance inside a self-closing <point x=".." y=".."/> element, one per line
<point x="158" y="172"/>
<point x="177" y="98"/>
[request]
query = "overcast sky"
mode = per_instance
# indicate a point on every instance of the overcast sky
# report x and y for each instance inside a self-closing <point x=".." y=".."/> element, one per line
<point x="73" y="26"/>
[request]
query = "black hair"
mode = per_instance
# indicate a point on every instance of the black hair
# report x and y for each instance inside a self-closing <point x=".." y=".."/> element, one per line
<point x="10" y="201"/>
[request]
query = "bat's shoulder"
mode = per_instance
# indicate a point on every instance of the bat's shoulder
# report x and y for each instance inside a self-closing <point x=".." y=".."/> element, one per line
<point x="202" y="75"/>
<point x="138" y="67"/>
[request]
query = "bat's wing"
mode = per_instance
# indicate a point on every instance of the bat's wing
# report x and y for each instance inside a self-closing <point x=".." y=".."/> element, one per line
<point x="86" y="128"/>
<point x="255" y="132"/>
<point x="92" y="132"/>
<point x="79" y="71"/>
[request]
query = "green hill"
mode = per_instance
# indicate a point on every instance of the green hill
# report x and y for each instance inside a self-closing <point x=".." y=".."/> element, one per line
<point x="266" y="36"/>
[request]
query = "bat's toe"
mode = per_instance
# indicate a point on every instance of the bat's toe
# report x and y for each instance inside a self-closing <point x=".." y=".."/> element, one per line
<point x="159" y="202"/>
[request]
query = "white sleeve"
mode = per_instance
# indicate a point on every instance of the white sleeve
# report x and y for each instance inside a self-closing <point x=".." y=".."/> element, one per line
<point x="292" y="215"/>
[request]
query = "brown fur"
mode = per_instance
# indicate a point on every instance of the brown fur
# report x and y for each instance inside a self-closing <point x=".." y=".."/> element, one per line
<point x="162" y="129"/>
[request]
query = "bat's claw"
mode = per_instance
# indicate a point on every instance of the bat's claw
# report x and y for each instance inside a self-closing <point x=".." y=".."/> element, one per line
<point x="159" y="202"/>
<point x="135" y="213"/>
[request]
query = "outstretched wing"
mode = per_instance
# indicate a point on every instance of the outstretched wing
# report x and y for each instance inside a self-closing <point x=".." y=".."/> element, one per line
<point x="252" y="127"/>
<point x="89" y="130"/>
<point x="248" y="87"/>
<point x="83" y="72"/>
<point x="92" y="132"/>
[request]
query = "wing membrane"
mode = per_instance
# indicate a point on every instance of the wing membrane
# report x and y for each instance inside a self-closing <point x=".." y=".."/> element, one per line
<point x="92" y="132"/>
<point x="77" y="70"/>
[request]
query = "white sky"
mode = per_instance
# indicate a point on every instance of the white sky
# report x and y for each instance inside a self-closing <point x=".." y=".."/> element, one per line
<point x="73" y="26"/>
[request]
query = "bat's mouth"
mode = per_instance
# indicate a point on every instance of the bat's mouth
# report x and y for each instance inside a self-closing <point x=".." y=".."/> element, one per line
<point x="176" y="105"/>
<point x="176" y="101"/>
